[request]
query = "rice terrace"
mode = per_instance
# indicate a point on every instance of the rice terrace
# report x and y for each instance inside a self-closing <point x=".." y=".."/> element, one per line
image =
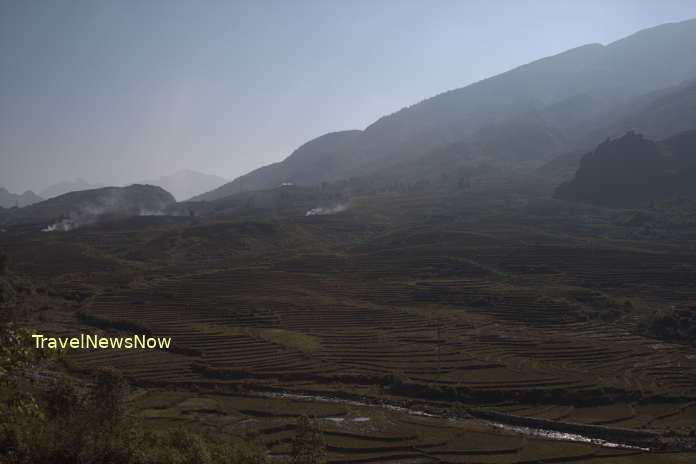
<point x="504" y="273"/>
<point x="407" y="340"/>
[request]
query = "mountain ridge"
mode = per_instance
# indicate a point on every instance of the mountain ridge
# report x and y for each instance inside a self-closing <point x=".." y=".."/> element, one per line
<point x="603" y="75"/>
<point x="87" y="205"/>
<point x="67" y="186"/>
<point x="10" y="200"/>
<point x="659" y="170"/>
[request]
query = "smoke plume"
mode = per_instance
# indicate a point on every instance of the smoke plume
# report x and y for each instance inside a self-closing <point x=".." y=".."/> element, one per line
<point x="320" y="211"/>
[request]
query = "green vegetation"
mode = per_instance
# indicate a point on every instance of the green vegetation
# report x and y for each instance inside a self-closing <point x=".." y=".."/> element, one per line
<point x="18" y="404"/>
<point x="490" y="302"/>
<point x="290" y="339"/>
<point x="675" y="325"/>
<point x="91" y="425"/>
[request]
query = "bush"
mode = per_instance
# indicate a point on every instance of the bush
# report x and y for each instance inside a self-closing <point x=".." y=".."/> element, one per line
<point x="675" y="325"/>
<point x="108" y="395"/>
<point x="92" y="427"/>
<point x="459" y="411"/>
<point x="63" y="399"/>
<point x="308" y="446"/>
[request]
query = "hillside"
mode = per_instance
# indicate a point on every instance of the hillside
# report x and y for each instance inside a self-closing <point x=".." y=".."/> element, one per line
<point x="528" y="114"/>
<point x="657" y="115"/>
<point x="447" y="302"/>
<point x="326" y="158"/>
<point x="503" y="273"/>
<point x="633" y="170"/>
<point x="74" y="208"/>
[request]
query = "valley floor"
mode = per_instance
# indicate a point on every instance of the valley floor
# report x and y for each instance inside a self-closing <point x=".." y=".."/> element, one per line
<point x="472" y="311"/>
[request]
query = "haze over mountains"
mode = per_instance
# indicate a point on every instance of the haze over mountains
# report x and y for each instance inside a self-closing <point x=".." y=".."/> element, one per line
<point x="10" y="200"/>
<point x="502" y="273"/>
<point x="561" y="104"/>
<point x="657" y="115"/>
<point x="182" y="185"/>
<point x="86" y="205"/>
<point x="538" y="119"/>
<point x="186" y="183"/>
<point x="66" y="186"/>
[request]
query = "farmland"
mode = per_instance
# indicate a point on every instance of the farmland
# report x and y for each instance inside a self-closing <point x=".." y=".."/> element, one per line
<point x="459" y="311"/>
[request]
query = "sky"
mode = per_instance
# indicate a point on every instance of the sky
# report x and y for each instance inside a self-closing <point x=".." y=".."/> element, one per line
<point x="120" y="91"/>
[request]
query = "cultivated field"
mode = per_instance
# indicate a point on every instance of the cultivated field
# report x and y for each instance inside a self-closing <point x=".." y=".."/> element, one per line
<point x="522" y="312"/>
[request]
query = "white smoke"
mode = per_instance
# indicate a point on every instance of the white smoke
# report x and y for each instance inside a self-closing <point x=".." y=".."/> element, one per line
<point x="320" y="211"/>
<point x="91" y="213"/>
<point x="62" y="226"/>
<point x="150" y="212"/>
<point x="87" y="214"/>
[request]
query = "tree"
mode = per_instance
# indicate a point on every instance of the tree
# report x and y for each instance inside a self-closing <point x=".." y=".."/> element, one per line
<point x="17" y="402"/>
<point x="3" y="262"/>
<point x="109" y="395"/>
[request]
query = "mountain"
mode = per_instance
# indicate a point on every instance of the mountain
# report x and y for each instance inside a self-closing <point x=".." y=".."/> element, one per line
<point x="326" y="158"/>
<point x="657" y="115"/>
<point x="183" y="185"/>
<point x="9" y="200"/>
<point x="76" y="208"/>
<point x="632" y="171"/>
<point x="67" y="186"/>
<point x="186" y="183"/>
<point x="526" y="115"/>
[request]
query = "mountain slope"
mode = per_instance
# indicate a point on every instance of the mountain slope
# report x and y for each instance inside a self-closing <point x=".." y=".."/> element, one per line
<point x="658" y="115"/>
<point x="632" y="170"/>
<point x="564" y="94"/>
<point x="326" y="158"/>
<point x="131" y="200"/>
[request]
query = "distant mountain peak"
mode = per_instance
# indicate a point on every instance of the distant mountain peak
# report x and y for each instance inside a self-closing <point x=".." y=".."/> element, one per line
<point x="186" y="183"/>
<point x="10" y="200"/>
<point x="77" y="208"/>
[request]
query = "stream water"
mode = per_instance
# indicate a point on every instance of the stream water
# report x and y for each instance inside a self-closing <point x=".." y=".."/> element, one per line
<point x="529" y="431"/>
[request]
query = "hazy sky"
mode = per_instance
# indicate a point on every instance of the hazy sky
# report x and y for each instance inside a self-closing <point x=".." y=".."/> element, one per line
<point x="117" y="91"/>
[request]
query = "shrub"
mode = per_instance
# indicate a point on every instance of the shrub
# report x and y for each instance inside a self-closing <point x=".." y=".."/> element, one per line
<point x="92" y="427"/>
<point x="63" y="399"/>
<point x="308" y="446"/>
<point x="108" y="395"/>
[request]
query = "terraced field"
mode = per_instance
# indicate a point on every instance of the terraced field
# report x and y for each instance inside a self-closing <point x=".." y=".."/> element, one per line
<point x="509" y="314"/>
<point x="362" y="434"/>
